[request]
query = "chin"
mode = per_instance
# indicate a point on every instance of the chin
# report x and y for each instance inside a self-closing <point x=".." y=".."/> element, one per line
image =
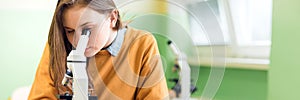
<point x="89" y="54"/>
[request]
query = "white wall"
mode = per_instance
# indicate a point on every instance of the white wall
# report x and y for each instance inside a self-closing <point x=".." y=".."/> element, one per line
<point x="24" y="26"/>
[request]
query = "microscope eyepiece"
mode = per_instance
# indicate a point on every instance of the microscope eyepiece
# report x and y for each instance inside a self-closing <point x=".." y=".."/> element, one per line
<point x="86" y="32"/>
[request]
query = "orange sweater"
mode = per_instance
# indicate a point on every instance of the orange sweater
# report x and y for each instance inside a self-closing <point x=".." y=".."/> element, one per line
<point x="135" y="72"/>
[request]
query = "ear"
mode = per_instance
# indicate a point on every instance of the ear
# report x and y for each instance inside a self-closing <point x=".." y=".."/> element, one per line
<point x="113" y="18"/>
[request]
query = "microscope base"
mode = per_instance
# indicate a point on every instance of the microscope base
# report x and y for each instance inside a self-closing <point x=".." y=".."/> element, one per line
<point x="62" y="97"/>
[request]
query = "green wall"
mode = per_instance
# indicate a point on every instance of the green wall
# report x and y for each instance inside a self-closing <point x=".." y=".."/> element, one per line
<point x="284" y="81"/>
<point x="237" y="84"/>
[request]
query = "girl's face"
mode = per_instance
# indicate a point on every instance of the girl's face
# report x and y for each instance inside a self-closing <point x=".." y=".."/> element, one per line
<point x="77" y="18"/>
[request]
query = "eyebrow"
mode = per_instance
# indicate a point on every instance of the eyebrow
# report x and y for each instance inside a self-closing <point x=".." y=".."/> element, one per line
<point x="84" y="24"/>
<point x="80" y="25"/>
<point x="68" y="27"/>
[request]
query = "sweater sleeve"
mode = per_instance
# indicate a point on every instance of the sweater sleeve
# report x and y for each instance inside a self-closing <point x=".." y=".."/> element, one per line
<point x="152" y="83"/>
<point x="43" y="86"/>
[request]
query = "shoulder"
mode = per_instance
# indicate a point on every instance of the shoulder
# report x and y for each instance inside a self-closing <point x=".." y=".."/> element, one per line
<point x="139" y="44"/>
<point x="137" y="36"/>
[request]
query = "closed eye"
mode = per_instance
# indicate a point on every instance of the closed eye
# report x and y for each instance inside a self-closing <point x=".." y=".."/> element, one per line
<point x="70" y="31"/>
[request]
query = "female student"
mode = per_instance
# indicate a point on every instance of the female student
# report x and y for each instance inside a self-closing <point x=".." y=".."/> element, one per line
<point x="123" y="63"/>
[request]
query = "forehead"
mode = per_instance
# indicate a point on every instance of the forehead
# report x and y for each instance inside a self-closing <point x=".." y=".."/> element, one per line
<point x="77" y="15"/>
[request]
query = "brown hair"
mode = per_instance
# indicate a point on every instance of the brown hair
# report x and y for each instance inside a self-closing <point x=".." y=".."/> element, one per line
<point x="59" y="45"/>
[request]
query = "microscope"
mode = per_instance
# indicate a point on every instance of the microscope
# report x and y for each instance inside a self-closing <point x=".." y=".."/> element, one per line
<point x="76" y="70"/>
<point x="183" y="87"/>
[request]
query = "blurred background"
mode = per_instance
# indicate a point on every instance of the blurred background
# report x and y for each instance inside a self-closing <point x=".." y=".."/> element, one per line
<point x="237" y="49"/>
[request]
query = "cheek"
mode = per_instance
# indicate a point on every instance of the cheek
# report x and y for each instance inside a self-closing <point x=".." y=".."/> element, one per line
<point x="99" y="38"/>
